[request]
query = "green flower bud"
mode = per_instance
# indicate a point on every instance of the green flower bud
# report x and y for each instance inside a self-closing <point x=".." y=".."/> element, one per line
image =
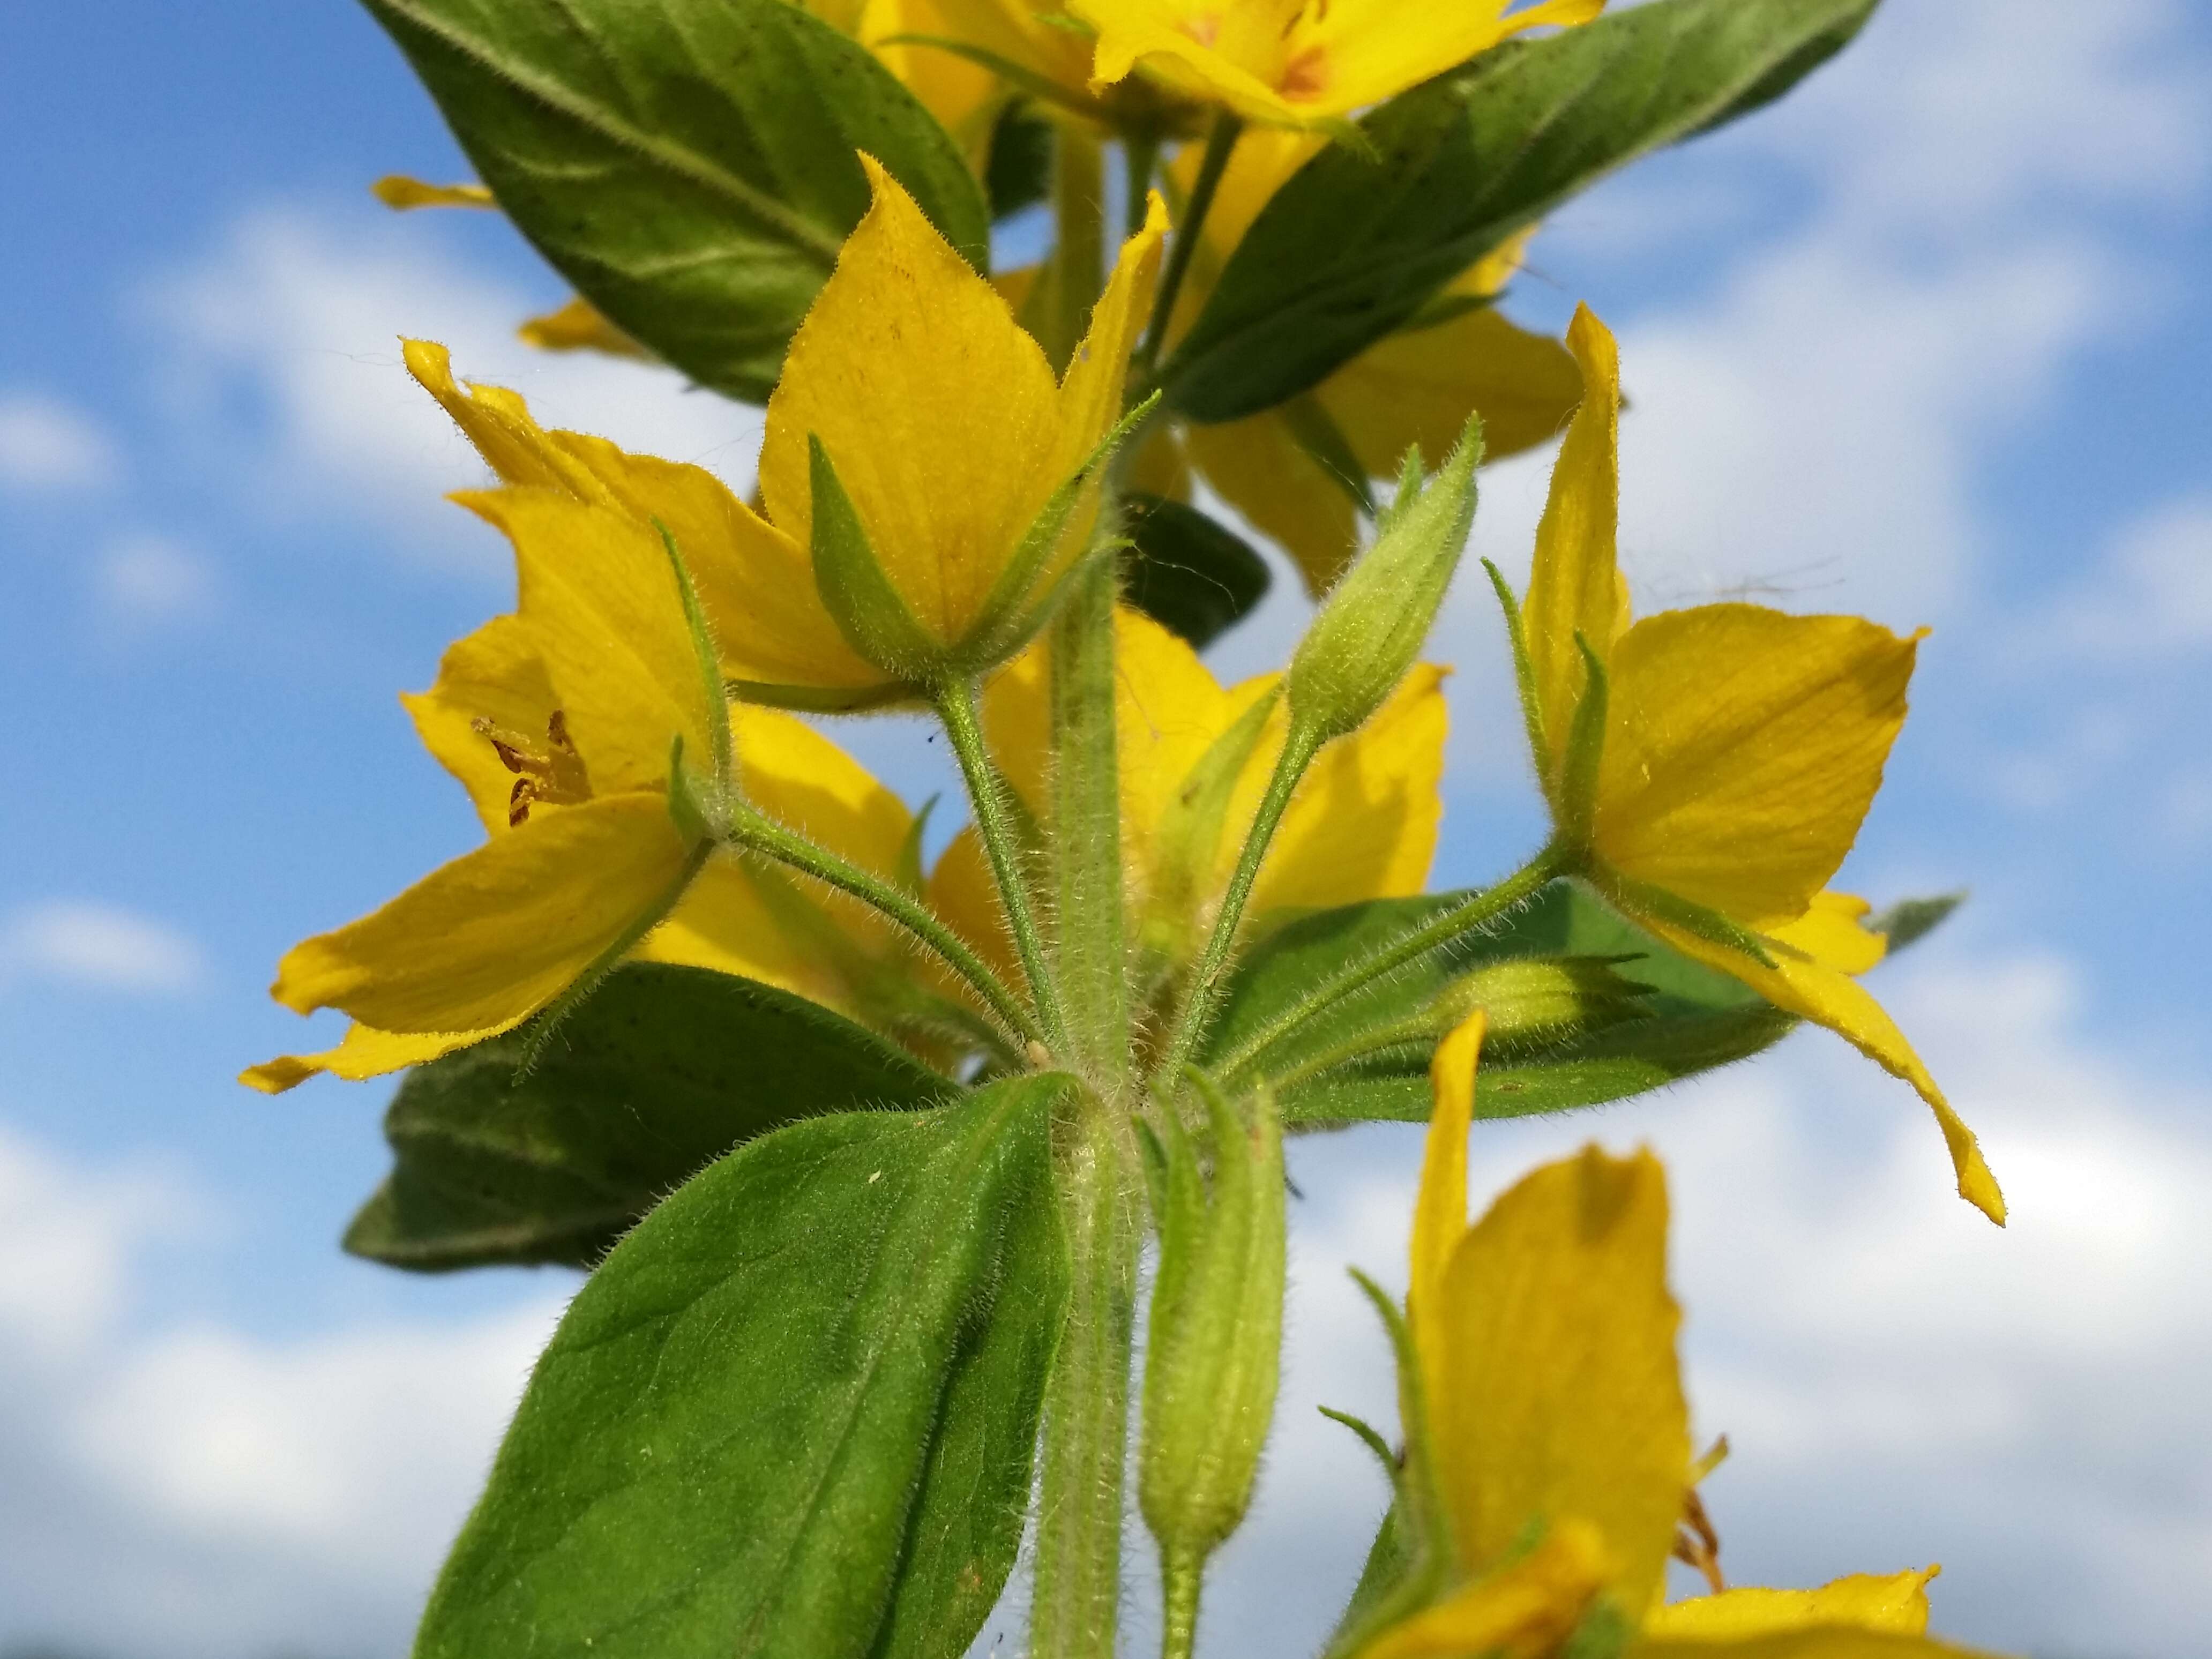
<point x="1215" y="1339"/>
<point x="1372" y="625"/>
<point x="1537" y="1001"/>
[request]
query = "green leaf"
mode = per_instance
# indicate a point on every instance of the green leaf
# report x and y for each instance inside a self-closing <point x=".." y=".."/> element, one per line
<point x="659" y="1073"/>
<point x="1908" y="921"/>
<point x="691" y="168"/>
<point x="1187" y="572"/>
<point x="1354" y="246"/>
<point x="792" y="1414"/>
<point x="1700" y="1018"/>
<point x="1020" y="170"/>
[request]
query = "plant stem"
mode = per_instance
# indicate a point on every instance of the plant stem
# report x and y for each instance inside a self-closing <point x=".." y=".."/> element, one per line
<point x="1086" y="1427"/>
<point x="1460" y="919"/>
<point x="1220" y="143"/>
<point x="1075" y="270"/>
<point x="1140" y="153"/>
<point x="995" y="824"/>
<point x="1300" y="745"/>
<point x="1181" y="1579"/>
<point x="753" y="833"/>
<point x="1089" y="944"/>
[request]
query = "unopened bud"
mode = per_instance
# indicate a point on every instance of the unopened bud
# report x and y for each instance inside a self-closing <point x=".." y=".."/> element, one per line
<point x="1373" y="623"/>
<point x="1215" y="1339"/>
<point x="1533" y="1000"/>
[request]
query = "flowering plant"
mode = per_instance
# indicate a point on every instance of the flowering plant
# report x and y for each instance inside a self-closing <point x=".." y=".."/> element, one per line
<point x="863" y="1146"/>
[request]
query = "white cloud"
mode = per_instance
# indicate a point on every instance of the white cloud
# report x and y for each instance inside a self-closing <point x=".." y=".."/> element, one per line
<point x="148" y="580"/>
<point x="194" y="1489"/>
<point x="295" y="319"/>
<point x="101" y="945"/>
<point x="45" y="444"/>
<point x="2152" y="592"/>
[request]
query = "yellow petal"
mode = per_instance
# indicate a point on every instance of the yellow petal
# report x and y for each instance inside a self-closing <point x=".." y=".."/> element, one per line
<point x="579" y="326"/>
<point x="964" y="96"/>
<point x="1575" y="585"/>
<point x="1229" y="53"/>
<point x="1030" y="33"/>
<point x="1523" y="1611"/>
<point x="1262" y="469"/>
<point x="1370" y="50"/>
<point x="1559" y="1396"/>
<point x="492" y="675"/>
<point x="481" y="943"/>
<point x="1896" y="1602"/>
<point x="1168" y="710"/>
<point x="1092" y="393"/>
<point x="1440" y="1205"/>
<point x="1744" y="750"/>
<point x="941" y="415"/>
<point x="1820" y="1642"/>
<point x="1419" y="386"/>
<point x="756" y="583"/>
<point x="1811" y="990"/>
<point x="401" y="193"/>
<point x="1363" y="824"/>
<point x="362" y="1053"/>
<point x="1834" y="933"/>
<point x="600" y="604"/>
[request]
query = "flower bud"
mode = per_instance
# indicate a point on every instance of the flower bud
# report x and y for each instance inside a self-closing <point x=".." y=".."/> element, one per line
<point x="1217" y="1323"/>
<point x="1532" y="1000"/>
<point x="1371" y="626"/>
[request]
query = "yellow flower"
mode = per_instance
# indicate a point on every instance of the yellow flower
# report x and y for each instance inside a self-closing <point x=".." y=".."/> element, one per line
<point x="944" y="423"/>
<point x="1415" y="387"/>
<point x="1036" y="37"/>
<point x="1194" y="760"/>
<point x="558" y="721"/>
<point x="1547" y="1419"/>
<point x="888" y="374"/>
<point x="1741" y="750"/>
<point x="1296" y="62"/>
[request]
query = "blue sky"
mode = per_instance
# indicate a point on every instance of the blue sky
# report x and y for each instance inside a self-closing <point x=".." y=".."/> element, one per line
<point x="1925" y="343"/>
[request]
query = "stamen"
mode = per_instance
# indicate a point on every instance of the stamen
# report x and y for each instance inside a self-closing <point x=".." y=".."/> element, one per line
<point x="1305" y="75"/>
<point x="1698" y="1545"/>
<point x="556" y="776"/>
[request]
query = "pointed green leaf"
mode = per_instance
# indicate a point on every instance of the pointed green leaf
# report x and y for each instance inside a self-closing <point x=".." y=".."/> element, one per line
<point x="792" y="1414"/>
<point x="692" y="169"/>
<point x="1187" y="572"/>
<point x="1700" y="1018"/>
<point x="1356" y="245"/>
<point x="656" y="1075"/>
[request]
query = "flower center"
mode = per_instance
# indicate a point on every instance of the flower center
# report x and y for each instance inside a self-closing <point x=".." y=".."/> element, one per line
<point x="554" y="774"/>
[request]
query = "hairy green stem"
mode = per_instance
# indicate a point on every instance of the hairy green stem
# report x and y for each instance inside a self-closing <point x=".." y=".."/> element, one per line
<point x="1088" y="942"/>
<point x="995" y="826"/>
<point x="1181" y="1579"/>
<point x="1220" y="143"/>
<point x="1086" y="1427"/>
<point x="754" y="834"/>
<point x="1463" y="918"/>
<point x="1299" y="747"/>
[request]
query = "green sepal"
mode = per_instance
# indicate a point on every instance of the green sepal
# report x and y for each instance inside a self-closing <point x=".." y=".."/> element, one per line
<point x="793" y="1413"/>
<point x="1697" y="1019"/>
<point x="1702" y="920"/>
<point x="1188" y="572"/>
<point x="858" y="592"/>
<point x="1576" y="787"/>
<point x="1524" y="669"/>
<point x="662" y="1071"/>
<point x="692" y="170"/>
<point x="1316" y="433"/>
<point x="1353" y="246"/>
<point x="1004" y="626"/>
